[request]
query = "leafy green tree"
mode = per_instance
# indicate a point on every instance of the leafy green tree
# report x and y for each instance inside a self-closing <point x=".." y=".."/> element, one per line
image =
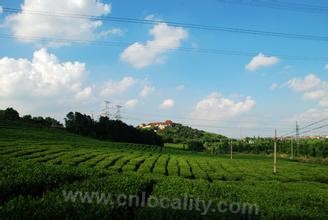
<point x="11" y="114"/>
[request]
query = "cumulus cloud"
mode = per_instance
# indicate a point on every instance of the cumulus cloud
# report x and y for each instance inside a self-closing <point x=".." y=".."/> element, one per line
<point x="261" y="60"/>
<point x="180" y="88"/>
<point x="30" y="24"/>
<point x="146" y="91"/>
<point x="44" y="76"/>
<point x="131" y="103"/>
<point x="117" y="87"/>
<point x="84" y="93"/>
<point x="309" y="82"/>
<point x="312" y="87"/>
<point x="167" y="104"/>
<point x="165" y="38"/>
<point x="215" y="106"/>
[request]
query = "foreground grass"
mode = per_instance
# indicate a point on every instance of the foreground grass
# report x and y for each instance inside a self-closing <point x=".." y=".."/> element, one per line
<point x="37" y="165"/>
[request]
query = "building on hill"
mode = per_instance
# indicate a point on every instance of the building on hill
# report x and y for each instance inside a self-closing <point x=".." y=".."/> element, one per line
<point x="157" y="125"/>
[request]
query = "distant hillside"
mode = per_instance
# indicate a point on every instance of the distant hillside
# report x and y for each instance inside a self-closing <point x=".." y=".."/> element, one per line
<point x="178" y="133"/>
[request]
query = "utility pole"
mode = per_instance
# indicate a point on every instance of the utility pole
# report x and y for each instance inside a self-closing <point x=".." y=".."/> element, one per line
<point x="230" y="149"/>
<point x="275" y="152"/>
<point x="118" y="112"/>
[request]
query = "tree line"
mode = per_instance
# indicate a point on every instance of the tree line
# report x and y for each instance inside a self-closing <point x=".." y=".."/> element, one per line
<point x="106" y="129"/>
<point x="11" y="114"/>
<point x="257" y="145"/>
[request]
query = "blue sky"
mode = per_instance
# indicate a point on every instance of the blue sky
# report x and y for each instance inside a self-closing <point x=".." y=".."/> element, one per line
<point x="209" y="91"/>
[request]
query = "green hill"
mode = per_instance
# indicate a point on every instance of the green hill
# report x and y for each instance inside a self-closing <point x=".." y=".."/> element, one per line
<point x="178" y="133"/>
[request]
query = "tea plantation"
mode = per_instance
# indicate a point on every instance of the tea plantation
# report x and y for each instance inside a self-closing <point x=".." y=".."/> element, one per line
<point x="39" y="166"/>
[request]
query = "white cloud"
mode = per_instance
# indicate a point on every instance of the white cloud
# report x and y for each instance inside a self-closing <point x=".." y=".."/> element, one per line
<point x="274" y="86"/>
<point x="167" y="103"/>
<point x="180" y="88"/>
<point x="117" y="87"/>
<point x="146" y="91"/>
<point x="110" y="32"/>
<point x="261" y="60"/>
<point x="310" y="81"/>
<point x="42" y="77"/>
<point x="84" y="93"/>
<point x="164" y="38"/>
<point x="313" y="114"/>
<point x="1" y="10"/>
<point x="312" y="87"/>
<point x="313" y="95"/>
<point x="326" y="66"/>
<point x="131" y="103"/>
<point x="30" y="24"/>
<point x="215" y="107"/>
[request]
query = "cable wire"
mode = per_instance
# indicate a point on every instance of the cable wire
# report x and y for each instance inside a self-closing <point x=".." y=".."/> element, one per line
<point x="299" y="7"/>
<point x="171" y="23"/>
<point x="180" y="49"/>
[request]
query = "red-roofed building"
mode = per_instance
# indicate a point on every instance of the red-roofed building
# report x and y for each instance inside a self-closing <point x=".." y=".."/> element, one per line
<point x="157" y="125"/>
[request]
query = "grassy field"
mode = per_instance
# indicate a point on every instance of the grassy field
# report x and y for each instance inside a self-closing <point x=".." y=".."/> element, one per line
<point x="38" y="166"/>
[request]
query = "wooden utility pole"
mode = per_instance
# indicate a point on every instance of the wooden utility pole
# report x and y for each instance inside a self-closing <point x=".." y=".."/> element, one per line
<point x="275" y="152"/>
<point x="231" y="149"/>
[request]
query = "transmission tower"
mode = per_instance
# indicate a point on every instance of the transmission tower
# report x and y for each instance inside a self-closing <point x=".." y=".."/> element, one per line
<point x="105" y="112"/>
<point x="297" y="136"/>
<point x="118" y="112"/>
<point x="297" y="132"/>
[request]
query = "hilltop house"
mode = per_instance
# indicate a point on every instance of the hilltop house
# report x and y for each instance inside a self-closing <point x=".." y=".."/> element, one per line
<point x="157" y="125"/>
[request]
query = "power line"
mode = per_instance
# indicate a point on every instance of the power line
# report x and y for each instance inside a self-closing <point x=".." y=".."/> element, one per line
<point x="314" y="129"/>
<point x="299" y="130"/>
<point x="314" y="123"/>
<point x="299" y="7"/>
<point x="172" y="23"/>
<point x="180" y="49"/>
